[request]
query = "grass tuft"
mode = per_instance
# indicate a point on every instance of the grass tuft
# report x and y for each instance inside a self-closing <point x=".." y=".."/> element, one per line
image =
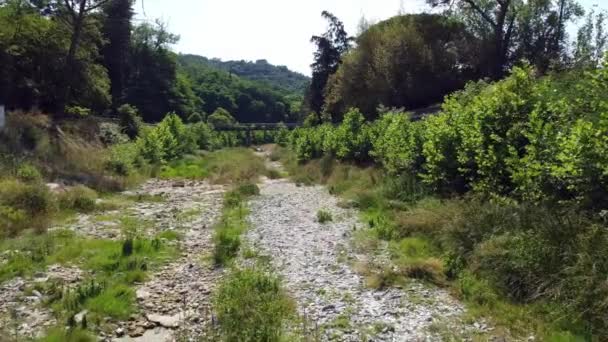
<point x="251" y="306"/>
<point x="324" y="216"/>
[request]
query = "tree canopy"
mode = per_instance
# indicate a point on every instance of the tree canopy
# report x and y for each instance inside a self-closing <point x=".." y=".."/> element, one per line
<point x="408" y="61"/>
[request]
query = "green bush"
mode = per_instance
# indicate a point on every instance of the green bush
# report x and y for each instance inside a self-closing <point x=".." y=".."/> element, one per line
<point x="24" y="206"/>
<point x="251" y="306"/>
<point x="227" y="244"/>
<point x="110" y="134"/>
<point x="124" y="159"/>
<point x="29" y="174"/>
<point x="248" y="189"/>
<point x="221" y="118"/>
<point x="204" y="136"/>
<point x="130" y="120"/>
<point x="78" y="198"/>
<point x="397" y="143"/>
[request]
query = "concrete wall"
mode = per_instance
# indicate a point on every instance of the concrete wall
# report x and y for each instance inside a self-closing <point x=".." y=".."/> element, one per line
<point x="2" y="117"/>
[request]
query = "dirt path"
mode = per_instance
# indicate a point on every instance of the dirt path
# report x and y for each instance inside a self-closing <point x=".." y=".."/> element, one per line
<point x="316" y="263"/>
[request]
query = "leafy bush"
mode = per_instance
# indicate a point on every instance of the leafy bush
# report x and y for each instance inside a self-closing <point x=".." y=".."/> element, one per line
<point x="221" y="118"/>
<point x="23" y="206"/>
<point x="251" y="306"/>
<point x="204" y="136"/>
<point x="29" y="174"/>
<point x="397" y="143"/>
<point x="124" y="159"/>
<point x="130" y="121"/>
<point x="77" y="111"/>
<point x="167" y="141"/>
<point x="110" y="134"/>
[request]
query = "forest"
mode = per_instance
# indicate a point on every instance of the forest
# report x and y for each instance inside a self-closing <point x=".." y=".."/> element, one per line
<point x="441" y="176"/>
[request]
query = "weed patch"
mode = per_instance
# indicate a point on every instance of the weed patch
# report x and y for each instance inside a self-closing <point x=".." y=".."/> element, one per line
<point x="251" y="306"/>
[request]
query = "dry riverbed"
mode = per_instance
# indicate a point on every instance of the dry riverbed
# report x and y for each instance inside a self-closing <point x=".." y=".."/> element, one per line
<point x="316" y="261"/>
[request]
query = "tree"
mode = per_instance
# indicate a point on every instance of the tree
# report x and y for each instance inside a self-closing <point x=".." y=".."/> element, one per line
<point x="330" y="48"/>
<point x="408" y="61"/>
<point x="75" y="13"/>
<point x="220" y="118"/>
<point x="117" y="32"/>
<point x="514" y="29"/>
<point x="34" y="45"/>
<point x="592" y="37"/>
<point x="151" y="85"/>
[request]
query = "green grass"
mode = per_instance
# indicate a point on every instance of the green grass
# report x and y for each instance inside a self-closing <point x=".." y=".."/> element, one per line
<point x="233" y="165"/>
<point x="324" y="216"/>
<point x="70" y="335"/>
<point x="108" y="292"/>
<point x="251" y="305"/>
<point x="228" y="230"/>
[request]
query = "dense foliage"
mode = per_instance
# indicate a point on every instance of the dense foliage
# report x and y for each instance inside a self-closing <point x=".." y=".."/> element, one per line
<point x="73" y="58"/>
<point x="403" y="62"/>
<point x="246" y="100"/>
<point x="279" y="77"/>
<point x="532" y="151"/>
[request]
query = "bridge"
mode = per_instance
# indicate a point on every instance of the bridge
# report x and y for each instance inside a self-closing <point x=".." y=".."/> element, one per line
<point x="249" y="127"/>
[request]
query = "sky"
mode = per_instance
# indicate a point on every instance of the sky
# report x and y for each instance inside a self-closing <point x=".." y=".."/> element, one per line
<point x="276" y="30"/>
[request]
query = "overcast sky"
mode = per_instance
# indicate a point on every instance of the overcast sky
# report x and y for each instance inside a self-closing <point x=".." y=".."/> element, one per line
<point x="276" y="30"/>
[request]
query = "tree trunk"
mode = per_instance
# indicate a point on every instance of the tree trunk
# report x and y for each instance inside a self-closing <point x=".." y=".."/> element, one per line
<point x="70" y="61"/>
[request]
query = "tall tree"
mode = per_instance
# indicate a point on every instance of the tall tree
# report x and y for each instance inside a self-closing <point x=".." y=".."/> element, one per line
<point x="591" y="42"/>
<point x="514" y="29"/>
<point x="152" y="71"/>
<point x="76" y="13"/>
<point x="330" y="48"/>
<point x="117" y="33"/>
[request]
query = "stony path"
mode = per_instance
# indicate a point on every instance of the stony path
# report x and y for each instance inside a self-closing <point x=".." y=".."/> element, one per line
<point x="176" y="301"/>
<point x="312" y="258"/>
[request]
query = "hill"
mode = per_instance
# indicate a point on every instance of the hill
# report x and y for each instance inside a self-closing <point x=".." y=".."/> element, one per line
<point x="260" y="70"/>
<point x="246" y="100"/>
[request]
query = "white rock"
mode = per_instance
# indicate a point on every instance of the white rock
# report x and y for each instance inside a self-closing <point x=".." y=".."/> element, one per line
<point x="171" y="322"/>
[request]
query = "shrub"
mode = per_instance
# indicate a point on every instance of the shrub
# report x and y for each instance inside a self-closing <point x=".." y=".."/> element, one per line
<point x="29" y="174"/>
<point x="24" y="206"/>
<point x="130" y="120"/>
<point x="324" y="216"/>
<point x="204" y="136"/>
<point x="227" y="244"/>
<point x="251" y="306"/>
<point x="281" y="136"/>
<point x="79" y="198"/>
<point x="25" y="132"/>
<point x="151" y="145"/>
<point x="397" y="143"/>
<point x="124" y="159"/>
<point x="110" y="134"/>
<point x="248" y="189"/>
<point x="77" y="111"/>
<point x="350" y="140"/>
<point x="221" y="118"/>
<point x="34" y="199"/>
<point x="12" y="221"/>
